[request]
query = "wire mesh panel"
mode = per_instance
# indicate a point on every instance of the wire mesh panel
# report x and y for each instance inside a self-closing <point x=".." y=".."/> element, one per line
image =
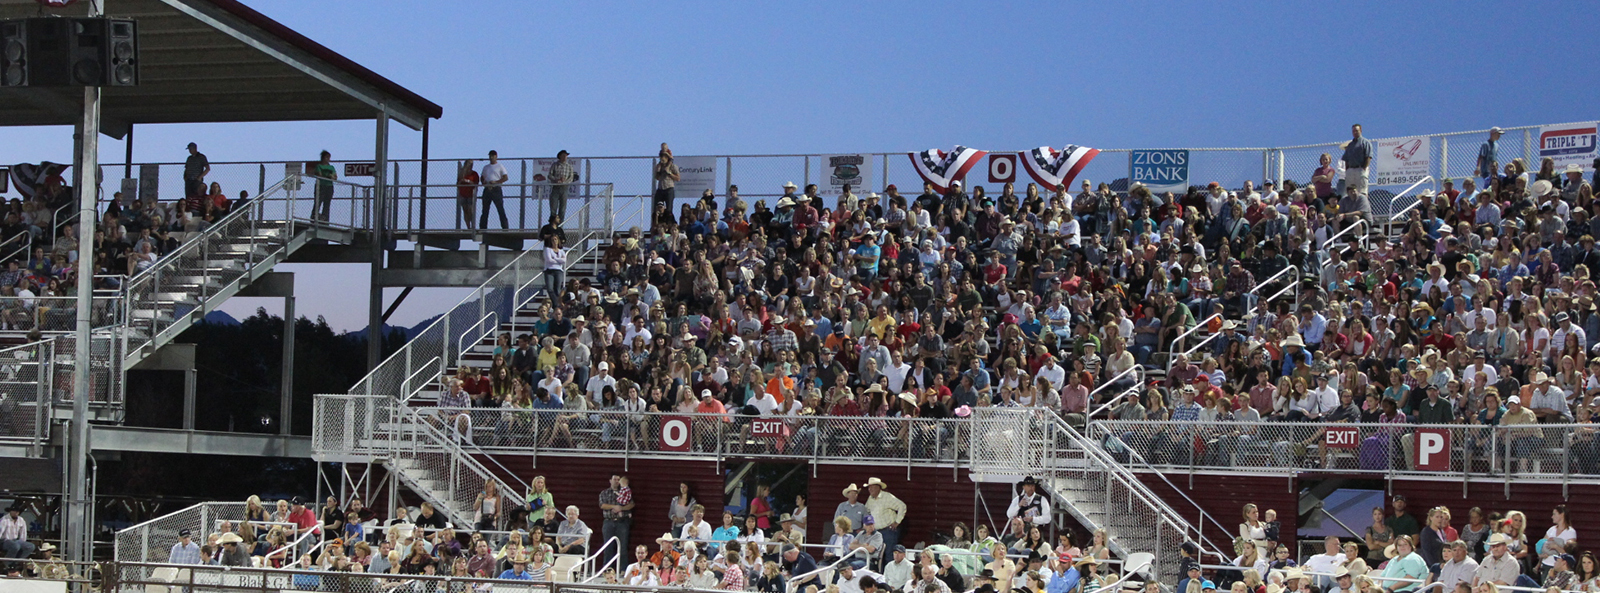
<point x="24" y="395"/>
<point x="134" y="577"/>
<point x="152" y="541"/>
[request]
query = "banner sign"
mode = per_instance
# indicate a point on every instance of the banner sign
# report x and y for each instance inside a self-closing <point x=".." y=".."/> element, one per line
<point x="1053" y="168"/>
<point x="1342" y="437"/>
<point x="942" y="168"/>
<point x="839" y="170"/>
<point x="1401" y="161"/>
<point x="696" y="174"/>
<point x="762" y="428"/>
<point x="1433" y="449"/>
<point x="1572" y="144"/>
<point x="1002" y="168"/>
<point x="676" y="434"/>
<point x="1160" y="170"/>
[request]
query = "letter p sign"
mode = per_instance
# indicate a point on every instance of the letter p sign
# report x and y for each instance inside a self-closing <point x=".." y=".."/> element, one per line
<point x="1433" y="449"/>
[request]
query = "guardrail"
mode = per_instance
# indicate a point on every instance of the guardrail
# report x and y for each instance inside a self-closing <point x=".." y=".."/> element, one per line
<point x="637" y="434"/>
<point x="147" y="577"/>
<point x="1532" y="452"/>
<point x="1360" y="222"/>
<point x="151" y="541"/>
<point x="1293" y="286"/>
<point x="435" y="208"/>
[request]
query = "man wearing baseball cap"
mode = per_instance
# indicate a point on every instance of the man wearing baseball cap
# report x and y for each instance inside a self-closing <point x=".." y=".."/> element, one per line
<point x="185" y="551"/>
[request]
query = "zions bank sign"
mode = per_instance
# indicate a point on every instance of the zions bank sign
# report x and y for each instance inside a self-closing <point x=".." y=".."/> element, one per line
<point x="1159" y="170"/>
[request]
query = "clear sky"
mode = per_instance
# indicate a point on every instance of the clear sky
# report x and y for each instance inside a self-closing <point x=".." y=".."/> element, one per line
<point x="617" y="78"/>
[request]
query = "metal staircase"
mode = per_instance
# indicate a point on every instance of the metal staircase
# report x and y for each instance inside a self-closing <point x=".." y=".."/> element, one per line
<point x="181" y="288"/>
<point x="439" y="469"/>
<point x="1084" y="481"/>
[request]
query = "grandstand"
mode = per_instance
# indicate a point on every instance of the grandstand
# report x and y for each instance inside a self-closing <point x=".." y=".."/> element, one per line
<point x="1012" y="390"/>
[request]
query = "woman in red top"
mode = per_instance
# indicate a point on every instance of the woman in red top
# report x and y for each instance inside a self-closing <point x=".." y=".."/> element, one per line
<point x="761" y="508"/>
<point x="466" y="191"/>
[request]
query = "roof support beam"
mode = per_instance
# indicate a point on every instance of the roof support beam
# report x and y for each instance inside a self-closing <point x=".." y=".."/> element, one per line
<point x="295" y="58"/>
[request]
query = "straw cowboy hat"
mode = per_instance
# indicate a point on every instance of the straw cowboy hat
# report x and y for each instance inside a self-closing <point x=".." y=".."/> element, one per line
<point x="47" y="547"/>
<point x="851" y="488"/>
<point x="520" y="558"/>
<point x="1499" y="539"/>
<point x="1293" y="340"/>
<point x="1089" y="560"/>
<point x="230" y="538"/>
<point x="1540" y="188"/>
<point x="908" y="398"/>
<point x="665" y="537"/>
<point x="876" y="482"/>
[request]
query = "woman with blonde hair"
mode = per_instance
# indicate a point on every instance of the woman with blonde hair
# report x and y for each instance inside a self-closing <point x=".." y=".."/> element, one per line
<point x="1353" y="560"/>
<point x="253" y="511"/>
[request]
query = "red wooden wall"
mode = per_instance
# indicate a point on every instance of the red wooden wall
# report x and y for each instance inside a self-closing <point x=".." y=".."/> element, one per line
<point x="1224" y="497"/>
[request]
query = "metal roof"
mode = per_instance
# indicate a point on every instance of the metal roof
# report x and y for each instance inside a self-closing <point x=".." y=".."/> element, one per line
<point x="217" y="61"/>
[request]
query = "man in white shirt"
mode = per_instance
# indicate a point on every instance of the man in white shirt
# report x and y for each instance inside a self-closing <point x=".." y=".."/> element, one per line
<point x="1564" y="326"/>
<point x="493" y="176"/>
<point x="849" y="578"/>
<point x="1458" y="566"/>
<point x="1547" y="401"/>
<point x="598" y="383"/>
<point x="1030" y="504"/>
<point x="14" y="534"/>
<point x="641" y="572"/>
<point x="1331" y="558"/>
<point x="896" y="372"/>
<point x="1054" y="372"/>
<point x="636" y="328"/>
<point x="697" y="528"/>
<point x="898" y="572"/>
<point x="1480" y="366"/>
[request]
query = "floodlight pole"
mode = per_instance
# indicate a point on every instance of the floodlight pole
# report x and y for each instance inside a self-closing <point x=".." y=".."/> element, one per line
<point x="80" y="503"/>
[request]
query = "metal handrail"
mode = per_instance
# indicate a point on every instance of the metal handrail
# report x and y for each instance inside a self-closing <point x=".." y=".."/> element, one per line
<point x="461" y="345"/>
<point x="1139" y="369"/>
<point x="1127" y="573"/>
<point x="365" y="385"/>
<point x="1389" y="222"/>
<point x="1114" y="469"/>
<point x="1172" y="352"/>
<point x="425" y="368"/>
<point x="797" y="578"/>
<point x="1270" y="279"/>
<point x="26" y="248"/>
<point x="465" y="457"/>
<point x="590" y="558"/>
<point x="1113" y="401"/>
<point x="1204" y="516"/>
<point x="1347" y="229"/>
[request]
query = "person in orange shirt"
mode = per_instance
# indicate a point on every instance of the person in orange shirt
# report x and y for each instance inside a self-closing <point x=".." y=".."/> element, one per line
<point x="781" y="385"/>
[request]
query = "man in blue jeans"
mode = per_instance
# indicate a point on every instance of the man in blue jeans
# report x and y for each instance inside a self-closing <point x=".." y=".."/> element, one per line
<point x="493" y="176"/>
<point x="14" y="534"/>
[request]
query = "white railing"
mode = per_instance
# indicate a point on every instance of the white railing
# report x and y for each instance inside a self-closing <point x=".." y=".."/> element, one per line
<point x="793" y="580"/>
<point x="1172" y="353"/>
<point x="1294" y="284"/>
<point x="1389" y="223"/>
<point x="1360" y="222"/>
<point x="419" y="446"/>
<point x="588" y="561"/>
<point x="1137" y="369"/>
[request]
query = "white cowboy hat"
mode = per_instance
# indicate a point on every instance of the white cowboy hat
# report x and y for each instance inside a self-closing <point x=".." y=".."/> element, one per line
<point x="1573" y="168"/>
<point x="851" y="488"/>
<point x="230" y="538"/>
<point x="877" y="482"/>
<point x="785" y="202"/>
<point x="1540" y="188"/>
<point x="790" y="184"/>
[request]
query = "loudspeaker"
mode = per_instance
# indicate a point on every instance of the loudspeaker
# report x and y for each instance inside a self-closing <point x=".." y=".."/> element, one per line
<point x="54" y="51"/>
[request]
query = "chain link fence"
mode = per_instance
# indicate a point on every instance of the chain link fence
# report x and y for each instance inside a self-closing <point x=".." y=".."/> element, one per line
<point x="137" y="577"/>
<point x="152" y="540"/>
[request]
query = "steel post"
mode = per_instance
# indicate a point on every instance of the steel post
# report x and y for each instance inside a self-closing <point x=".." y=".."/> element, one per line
<point x="79" y="525"/>
<point x="286" y="397"/>
<point x="376" y="236"/>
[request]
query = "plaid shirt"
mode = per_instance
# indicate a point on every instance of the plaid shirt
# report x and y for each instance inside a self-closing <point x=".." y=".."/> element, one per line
<point x="614" y="497"/>
<point x="1240" y="281"/>
<point x="783" y="339"/>
<point x="733" y="577"/>
<point x="182" y="554"/>
<point x="561" y="172"/>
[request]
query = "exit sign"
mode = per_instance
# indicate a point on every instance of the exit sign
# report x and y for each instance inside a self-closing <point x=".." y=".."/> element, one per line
<point x="360" y="169"/>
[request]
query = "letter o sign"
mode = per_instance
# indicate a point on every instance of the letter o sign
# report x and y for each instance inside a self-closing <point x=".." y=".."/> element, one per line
<point x="1002" y="168"/>
<point x="675" y="433"/>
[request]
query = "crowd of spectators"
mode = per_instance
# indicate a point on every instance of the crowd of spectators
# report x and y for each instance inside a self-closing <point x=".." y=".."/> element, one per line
<point x="1479" y="310"/>
<point x="1397" y="552"/>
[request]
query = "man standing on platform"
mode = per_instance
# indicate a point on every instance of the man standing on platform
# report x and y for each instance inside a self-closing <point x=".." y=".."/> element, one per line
<point x="561" y="174"/>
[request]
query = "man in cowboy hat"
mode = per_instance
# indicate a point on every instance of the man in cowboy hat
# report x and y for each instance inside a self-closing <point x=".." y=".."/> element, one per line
<point x="518" y="570"/>
<point x="850" y="509"/>
<point x="14" y="534"/>
<point x="185" y="551"/>
<point x="1499" y="566"/>
<point x="234" y="554"/>
<point x="1030" y="504"/>
<point x="1343" y="582"/>
<point x="48" y="567"/>
<point x="887" y="510"/>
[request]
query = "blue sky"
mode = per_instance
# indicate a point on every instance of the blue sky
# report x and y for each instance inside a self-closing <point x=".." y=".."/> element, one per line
<point x="617" y="78"/>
